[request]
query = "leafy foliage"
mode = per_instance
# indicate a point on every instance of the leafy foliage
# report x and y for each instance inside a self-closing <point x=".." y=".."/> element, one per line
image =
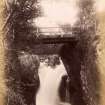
<point x="88" y="44"/>
<point x="19" y="26"/>
<point x="15" y="98"/>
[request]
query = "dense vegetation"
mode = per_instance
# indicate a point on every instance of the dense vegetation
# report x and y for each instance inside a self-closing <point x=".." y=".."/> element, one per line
<point x="19" y="61"/>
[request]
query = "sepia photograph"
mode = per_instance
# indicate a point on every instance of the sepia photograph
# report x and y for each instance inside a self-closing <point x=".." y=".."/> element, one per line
<point x="52" y="52"/>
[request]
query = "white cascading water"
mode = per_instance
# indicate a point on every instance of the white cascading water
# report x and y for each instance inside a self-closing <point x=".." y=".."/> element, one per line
<point x="50" y="79"/>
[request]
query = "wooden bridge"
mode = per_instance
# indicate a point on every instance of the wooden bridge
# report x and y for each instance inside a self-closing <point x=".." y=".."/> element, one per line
<point x="48" y="40"/>
<point x="55" y="35"/>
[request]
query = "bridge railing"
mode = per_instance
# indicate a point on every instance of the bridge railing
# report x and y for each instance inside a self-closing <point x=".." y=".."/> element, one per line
<point x="57" y="31"/>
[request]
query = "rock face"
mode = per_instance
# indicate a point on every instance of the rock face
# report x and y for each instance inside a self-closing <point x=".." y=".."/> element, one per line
<point x="23" y="79"/>
<point x="73" y="67"/>
<point x="29" y="76"/>
<point x="84" y="80"/>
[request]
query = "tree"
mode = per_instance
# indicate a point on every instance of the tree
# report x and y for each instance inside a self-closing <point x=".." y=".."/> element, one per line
<point x="19" y="29"/>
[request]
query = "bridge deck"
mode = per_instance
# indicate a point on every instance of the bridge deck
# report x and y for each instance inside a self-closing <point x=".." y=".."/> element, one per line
<point x="54" y="40"/>
<point x="46" y="44"/>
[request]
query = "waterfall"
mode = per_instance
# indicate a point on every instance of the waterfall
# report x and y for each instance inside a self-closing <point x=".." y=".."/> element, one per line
<point x="49" y="83"/>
